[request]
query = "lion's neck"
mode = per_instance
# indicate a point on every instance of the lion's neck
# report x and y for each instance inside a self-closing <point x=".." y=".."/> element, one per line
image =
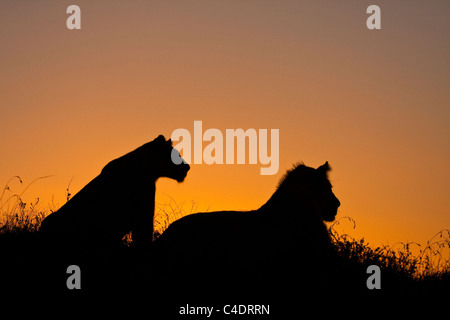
<point x="275" y="202"/>
<point x="278" y="205"/>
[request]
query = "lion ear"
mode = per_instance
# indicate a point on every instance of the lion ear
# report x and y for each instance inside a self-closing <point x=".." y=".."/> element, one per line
<point x="160" y="139"/>
<point x="324" y="168"/>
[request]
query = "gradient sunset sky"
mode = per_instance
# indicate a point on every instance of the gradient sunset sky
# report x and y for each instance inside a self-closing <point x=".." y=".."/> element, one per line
<point x="374" y="103"/>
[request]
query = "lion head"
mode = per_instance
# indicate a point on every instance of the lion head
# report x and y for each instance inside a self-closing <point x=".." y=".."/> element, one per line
<point x="165" y="166"/>
<point x="311" y="188"/>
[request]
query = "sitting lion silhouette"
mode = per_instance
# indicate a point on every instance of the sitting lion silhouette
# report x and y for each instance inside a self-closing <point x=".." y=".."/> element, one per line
<point x="119" y="200"/>
<point x="284" y="242"/>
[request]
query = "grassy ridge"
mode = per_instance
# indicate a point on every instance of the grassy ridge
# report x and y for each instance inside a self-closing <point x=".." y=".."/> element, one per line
<point x="431" y="260"/>
<point x="429" y="268"/>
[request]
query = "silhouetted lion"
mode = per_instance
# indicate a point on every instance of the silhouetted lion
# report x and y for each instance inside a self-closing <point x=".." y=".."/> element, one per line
<point x="283" y="243"/>
<point x="119" y="200"/>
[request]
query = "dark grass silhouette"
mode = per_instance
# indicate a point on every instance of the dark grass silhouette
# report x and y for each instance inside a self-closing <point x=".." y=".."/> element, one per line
<point x="404" y="273"/>
<point x="287" y="255"/>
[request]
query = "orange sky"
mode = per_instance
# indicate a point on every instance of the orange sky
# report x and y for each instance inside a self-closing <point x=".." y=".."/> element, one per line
<point x="375" y="104"/>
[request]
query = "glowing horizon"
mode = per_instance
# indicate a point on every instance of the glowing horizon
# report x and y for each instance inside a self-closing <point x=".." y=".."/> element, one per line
<point x="374" y="103"/>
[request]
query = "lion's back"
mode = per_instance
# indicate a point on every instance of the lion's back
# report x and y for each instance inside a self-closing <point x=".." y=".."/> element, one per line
<point x="207" y="225"/>
<point x="91" y="212"/>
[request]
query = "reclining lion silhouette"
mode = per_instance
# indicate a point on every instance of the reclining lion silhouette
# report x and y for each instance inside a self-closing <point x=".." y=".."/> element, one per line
<point x="119" y="200"/>
<point x="280" y="247"/>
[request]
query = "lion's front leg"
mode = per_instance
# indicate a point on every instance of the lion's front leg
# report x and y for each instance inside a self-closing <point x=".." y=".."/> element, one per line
<point x="142" y="228"/>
